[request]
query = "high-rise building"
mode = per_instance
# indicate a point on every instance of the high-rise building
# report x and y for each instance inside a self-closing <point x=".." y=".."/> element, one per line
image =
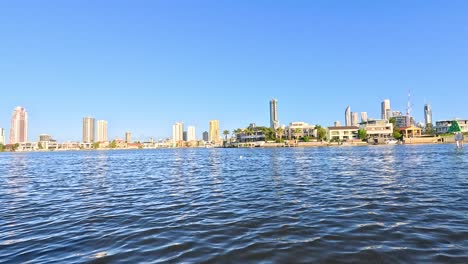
<point x="19" y="126"/>
<point x="2" y="136"/>
<point x="178" y="132"/>
<point x="348" y="116"/>
<point x="354" y="119"/>
<point x="102" y="131"/>
<point x="128" y="137"/>
<point x="214" y="131"/>
<point x="45" y="138"/>
<point x="88" y="130"/>
<point x="364" y="117"/>
<point x="386" y="109"/>
<point x="191" y="136"/>
<point x="184" y="136"/>
<point x="206" y="136"/>
<point x="337" y="124"/>
<point x="428" y="114"/>
<point x="274" y="122"/>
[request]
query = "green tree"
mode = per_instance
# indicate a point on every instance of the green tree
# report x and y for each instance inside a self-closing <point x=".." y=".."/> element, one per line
<point x="429" y="129"/>
<point x="39" y="145"/>
<point x="95" y="145"/>
<point x="362" y="134"/>
<point x="113" y="144"/>
<point x="279" y="133"/>
<point x="297" y="132"/>
<point x="226" y="134"/>
<point x="15" y="147"/>
<point x="306" y="138"/>
<point x="2" y="147"/>
<point x="396" y="131"/>
<point x="321" y="132"/>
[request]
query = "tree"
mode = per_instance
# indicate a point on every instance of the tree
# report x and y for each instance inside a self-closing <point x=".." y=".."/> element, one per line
<point x="226" y="133"/>
<point x="95" y="145"/>
<point x="321" y="132"/>
<point x="2" y="147"/>
<point x="15" y="146"/>
<point x="362" y="134"/>
<point x="39" y="145"/>
<point x="280" y="133"/>
<point x="306" y="138"/>
<point x="297" y="132"/>
<point x="396" y="132"/>
<point x="113" y="144"/>
<point x="429" y="129"/>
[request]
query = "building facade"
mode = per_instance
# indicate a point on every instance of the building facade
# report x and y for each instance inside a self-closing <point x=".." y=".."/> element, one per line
<point x="274" y="121"/>
<point x="385" y="109"/>
<point x="2" y="136"/>
<point x="214" y="135"/>
<point x="191" y="136"/>
<point x="427" y="114"/>
<point x="354" y="119"/>
<point x="206" y="136"/>
<point x="348" y="116"/>
<point x="377" y="128"/>
<point x="19" y="126"/>
<point x="88" y="130"/>
<point x="102" y="135"/>
<point x="343" y="133"/>
<point x="363" y="116"/>
<point x="300" y="129"/>
<point x="128" y="137"/>
<point x="443" y="126"/>
<point x="178" y="132"/>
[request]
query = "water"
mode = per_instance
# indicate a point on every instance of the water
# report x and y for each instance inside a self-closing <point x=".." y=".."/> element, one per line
<point x="389" y="204"/>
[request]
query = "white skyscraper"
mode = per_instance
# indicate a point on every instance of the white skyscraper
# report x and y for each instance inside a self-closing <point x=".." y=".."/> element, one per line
<point x="386" y="109"/>
<point x="348" y="116"/>
<point x="428" y="114"/>
<point x="19" y="126"/>
<point x="363" y="116"/>
<point x="191" y="136"/>
<point x="177" y="132"/>
<point x="354" y="119"/>
<point x="88" y="130"/>
<point x="274" y="122"/>
<point x="102" y="131"/>
<point x="2" y="136"/>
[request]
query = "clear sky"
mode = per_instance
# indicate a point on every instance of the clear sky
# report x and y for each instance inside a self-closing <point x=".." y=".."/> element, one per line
<point x="143" y="65"/>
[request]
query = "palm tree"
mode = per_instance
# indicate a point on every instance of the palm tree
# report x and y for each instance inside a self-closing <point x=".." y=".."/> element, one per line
<point x="297" y="132"/>
<point x="280" y="133"/>
<point x="226" y="133"/>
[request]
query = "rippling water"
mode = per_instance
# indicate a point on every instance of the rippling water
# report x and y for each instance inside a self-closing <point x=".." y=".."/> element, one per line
<point x="386" y="204"/>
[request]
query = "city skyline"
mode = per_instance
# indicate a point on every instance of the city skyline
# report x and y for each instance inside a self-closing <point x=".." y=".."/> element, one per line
<point x="226" y="63"/>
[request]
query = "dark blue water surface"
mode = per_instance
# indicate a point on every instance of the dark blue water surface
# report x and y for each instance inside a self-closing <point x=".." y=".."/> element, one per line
<point x="381" y="204"/>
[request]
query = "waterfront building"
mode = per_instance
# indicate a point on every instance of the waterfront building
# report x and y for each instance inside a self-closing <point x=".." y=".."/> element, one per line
<point x="128" y="137"/>
<point x="428" y="114"/>
<point x="254" y="134"/>
<point x="411" y="131"/>
<point x="343" y="133"/>
<point x="274" y="121"/>
<point x="363" y="116"/>
<point x="191" y="136"/>
<point x="300" y="129"/>
<point x="19" y="126"/>
<point x="88" y="130"/>
<point x="442" y="126"/>
<point x="177" y="132"/>
<point x="206" y="136"/>
<point x="377" y="128"/>
<point x="354" y="119"/>
<point x="2" y="136"/>
<point x="102" y="131"/>
<point x="214" y="134"/>
<point x="348" y="116"/>
<point x="386" y="109"/>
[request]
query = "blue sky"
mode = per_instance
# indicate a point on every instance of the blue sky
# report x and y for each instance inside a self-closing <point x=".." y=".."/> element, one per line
<point x="143" y="65"/>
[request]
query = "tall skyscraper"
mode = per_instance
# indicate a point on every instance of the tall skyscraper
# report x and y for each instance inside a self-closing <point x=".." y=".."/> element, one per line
<point x="19" y="126"/>
<point x="102" y="131"/>
<point x="88" y="130"/>
<point x="128" y="137"/>
<point x="177" y="132"/>
<point x="274" y="122"/>
<point x="428" y="114"/>
<point x="214" y="131"/>
<point x="386" y="109"/>
<point x="364" y="117"/>
<point x="348" y="116"/>
<point x="191" y="136"/>
<point x="184" y="136"/>
<point x="354" y="119"/>
<point x="2" y="136"/>
<point x="206" y="136"/>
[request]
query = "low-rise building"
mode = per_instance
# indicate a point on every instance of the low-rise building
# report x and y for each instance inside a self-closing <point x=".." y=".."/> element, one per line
<point x="342" y="133"/>
<point x="377" y="128"/>
<point x="442" y="126"/>
<point x="300" y="129"/>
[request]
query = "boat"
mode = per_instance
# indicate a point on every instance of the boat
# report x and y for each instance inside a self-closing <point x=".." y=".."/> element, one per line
<point x="392" y="141"/>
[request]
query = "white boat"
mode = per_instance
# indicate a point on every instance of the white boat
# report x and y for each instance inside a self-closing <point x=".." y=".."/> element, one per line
<point x="392" y="141"/>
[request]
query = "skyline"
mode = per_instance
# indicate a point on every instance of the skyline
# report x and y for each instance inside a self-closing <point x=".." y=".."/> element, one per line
<point x="144" y="67"/>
